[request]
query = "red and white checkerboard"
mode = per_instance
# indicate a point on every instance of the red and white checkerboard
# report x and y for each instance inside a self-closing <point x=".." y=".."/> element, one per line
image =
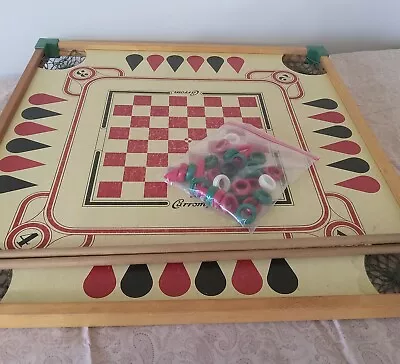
<point x="154" y="130"/>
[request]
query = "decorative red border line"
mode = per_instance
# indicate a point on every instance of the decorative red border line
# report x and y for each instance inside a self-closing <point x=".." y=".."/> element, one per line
<point x="65" y="155"/>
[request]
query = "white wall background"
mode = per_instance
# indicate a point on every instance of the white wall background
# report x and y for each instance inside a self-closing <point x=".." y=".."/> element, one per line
<point x="341" y="25"/>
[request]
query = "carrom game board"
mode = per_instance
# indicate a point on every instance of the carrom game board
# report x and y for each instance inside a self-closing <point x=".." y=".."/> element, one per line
<point x="91" y="235"/>
<point x="86" y="146"/>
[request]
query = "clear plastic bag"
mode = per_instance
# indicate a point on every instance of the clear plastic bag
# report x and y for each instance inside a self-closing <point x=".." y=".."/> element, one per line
<point x="240" y="171"/>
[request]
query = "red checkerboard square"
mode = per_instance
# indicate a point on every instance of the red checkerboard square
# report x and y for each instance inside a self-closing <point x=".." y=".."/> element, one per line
<point x="177" y="146"/>
<point x="114" y="159"/>
<point x="109" y="189"/>
<point x="214" y="122"/>
<point x="256" y="121"/>
<point x="142" y="100"/>
<point x="177" y="100"/>
<point x="134" y="174"/>
<point x="159" y="111"/>
<point x="231" y="111"/>
<point x="197" y="133"/>
<point x="247" y="101"/>
<point x="155" y="189"/>
<point x="158" y="134"/>
<point x="140" y="121"/>
<point x="212" y="101"/>
<point x="137" y="146"/>
<point x="157" y="160"/>
<point x="123" y="110"/>
<point x="196" y="111"/>
<point x="118" y="133"/>
<point x="178" y="122"/>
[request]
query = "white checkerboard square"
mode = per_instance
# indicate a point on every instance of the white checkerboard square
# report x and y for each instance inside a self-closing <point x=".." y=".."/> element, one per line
<point x="159" y="122"/>
<point x="158" y="146"/>
<point x="178" y="134"/>
<point x="135" y="159"/>
<point x="178" y="111"/>
<point x="155" y="174"/>
<point x="141" y="110"/>
<point x="115" y="145"/>
<point x="139" y="133"/>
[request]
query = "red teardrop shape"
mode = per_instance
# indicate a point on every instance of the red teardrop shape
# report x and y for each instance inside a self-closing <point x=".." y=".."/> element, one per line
<point x="174" y="280"/>
<point x="330" y="116"/>
<point x="43" y="99"/>
<point x="346" y="146"/>
<point x="195" y="62"/>
<point x="361" y="183"/>
<point x="31" y="128"/>
<point x="246" y="279"/>
<point x="100" y="281"/>
<point x="236" y="63"/>
<point x="155" y="61"/>
<point x="16" y="163"/>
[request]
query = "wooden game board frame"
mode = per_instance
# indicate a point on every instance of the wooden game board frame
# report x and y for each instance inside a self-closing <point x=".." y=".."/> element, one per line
<point x="344" y="245"/>
<point x="174" y="312"/>
<point x="212" y="310"/>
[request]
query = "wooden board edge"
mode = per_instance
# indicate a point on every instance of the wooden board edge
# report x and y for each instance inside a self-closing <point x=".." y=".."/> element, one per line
<point x="372" y="243"/>
<point x="377" y="152"/>
<point x="19" y="91"/>
<point x="198" y="311"/>
<point x="188" y="257"/>
<point x="84" y="45"/>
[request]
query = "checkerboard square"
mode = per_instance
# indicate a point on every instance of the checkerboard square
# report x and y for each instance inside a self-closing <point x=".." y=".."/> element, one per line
<point x="257" y="122"/>
<point x="198" y="122"/>
<point x="212" y="101"/>
<point x="231" y="111"/>
<point x="159" y="122"/>
<point x="137" y="146"/>
<point x="214" y="111"/>
<point x="178" y="133"/>
<point x="121" y="121"/>
<point x="109" y="189"/>
<point x="118" y="133"/>
<point x="141" y="110"/>
<point x="178" y="122"/>
<point x="155" y="189"/>
<point x="134" y="174"/>
<point x="197" y="134"/>
<point x="247" y="101"/>
<point x="177" y="146"/>
<point x="196" y="111"/>
<point x="177" y="100"/>
<point x="155" y="174"/>
<point x="116" y="145"/>
<point x="214" y="122"/>
<point x="140" y="121"/>
<point x="114" y="159"/>
<point x="159" y="111"/>
<point x="122" y="110"/>
<point x="157" y="160"/>
<point x="135" y="159"/>
<point x="139" y="133"/>
<point x="180" y="111"/>
<point x="142" y="100"/>
<point x="157" y="146"/>
<point x="158" y="134"/>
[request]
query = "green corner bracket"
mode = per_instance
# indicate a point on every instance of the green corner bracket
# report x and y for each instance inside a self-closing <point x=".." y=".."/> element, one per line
<point x="50" y="47"/>
<point x="314" y="54"/>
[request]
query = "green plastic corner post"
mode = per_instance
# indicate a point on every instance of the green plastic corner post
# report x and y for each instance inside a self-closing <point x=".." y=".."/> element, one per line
<point x="50" y="47"/>
<point x="314" y="53"/>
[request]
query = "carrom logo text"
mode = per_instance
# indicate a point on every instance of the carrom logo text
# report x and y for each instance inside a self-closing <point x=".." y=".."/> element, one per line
<point x="190" y="93"/>
<point x="181" y="203"/>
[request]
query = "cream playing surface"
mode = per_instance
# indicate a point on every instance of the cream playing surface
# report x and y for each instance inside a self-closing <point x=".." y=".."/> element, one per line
<point x="85" y="154"/>
<point x="223" y="280"/>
